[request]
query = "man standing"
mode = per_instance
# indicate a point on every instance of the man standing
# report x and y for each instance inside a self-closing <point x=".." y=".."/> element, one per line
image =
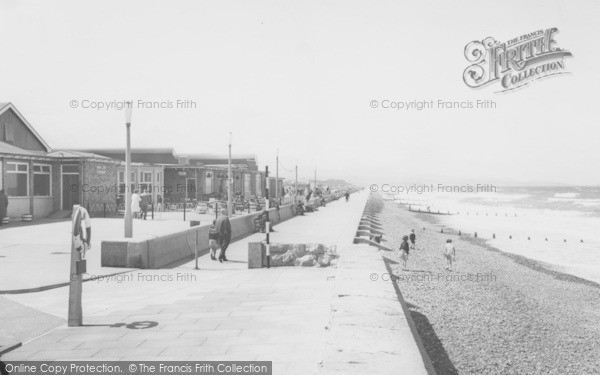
<point x="144" y="203"/>
<point x="223" y="229"/>
<point x="3" y="205"/>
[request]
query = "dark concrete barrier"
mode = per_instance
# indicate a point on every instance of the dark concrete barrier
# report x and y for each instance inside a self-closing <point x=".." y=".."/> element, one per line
<point x="161" y="251"/>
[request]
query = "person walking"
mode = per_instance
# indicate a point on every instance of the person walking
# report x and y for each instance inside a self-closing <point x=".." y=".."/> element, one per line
<point x="413" y="238"/>
<point x="144" y="203"/>
<point x="223" y="229"/>
<point x="135" y="204"/>
<point x="450" y="254"/>
<point x="404" y="250"/>
<point x="213" y="241"/>
<point x="3" y="205"/>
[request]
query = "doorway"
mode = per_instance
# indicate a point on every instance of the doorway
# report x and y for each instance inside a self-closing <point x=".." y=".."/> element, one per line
<point x="70" y="186"/>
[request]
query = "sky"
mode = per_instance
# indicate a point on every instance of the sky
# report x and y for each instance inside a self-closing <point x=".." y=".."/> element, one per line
<point x="300" y="77"/>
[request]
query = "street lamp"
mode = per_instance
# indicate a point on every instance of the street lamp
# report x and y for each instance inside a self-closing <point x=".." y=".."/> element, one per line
<point x="128" y="218"/>
<point x="229" y="180"/>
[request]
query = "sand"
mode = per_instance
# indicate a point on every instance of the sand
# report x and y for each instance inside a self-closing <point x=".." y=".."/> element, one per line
<point x="497" y="312"/>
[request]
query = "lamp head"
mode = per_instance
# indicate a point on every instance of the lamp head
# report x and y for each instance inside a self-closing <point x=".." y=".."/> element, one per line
<point x="128" y="112"/>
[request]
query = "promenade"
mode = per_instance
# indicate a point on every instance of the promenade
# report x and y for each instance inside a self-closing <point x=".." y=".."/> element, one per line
<point x="229" y="312"/>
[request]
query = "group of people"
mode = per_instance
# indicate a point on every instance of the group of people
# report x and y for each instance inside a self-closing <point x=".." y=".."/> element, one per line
<point x="140" y="204"/>
<point x="405" y="247"/>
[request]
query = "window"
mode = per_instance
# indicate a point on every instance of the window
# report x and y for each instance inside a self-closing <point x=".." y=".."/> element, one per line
<point x="17" y="179"/>
<point x="70" y="169"/>
<point x="9" y="132"/>
<point x="146" y="182"/>
<point x="146" y="177"/>
<point x="42" y="180"/>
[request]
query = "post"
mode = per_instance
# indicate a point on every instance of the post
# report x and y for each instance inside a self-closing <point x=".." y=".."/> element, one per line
<point x="196" y="249"/>
<point x="267" y="222"/>
<point x="296" y="184"/>
<point x="184" y="204"/>
<point x="127" y="215"/>
<point x="229" y="182"/>
<point x="75" y="318"/>
<point x="277" y="175"/>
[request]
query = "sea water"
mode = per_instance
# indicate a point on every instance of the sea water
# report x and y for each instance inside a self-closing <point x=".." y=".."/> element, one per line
<point x="559" y="226"/>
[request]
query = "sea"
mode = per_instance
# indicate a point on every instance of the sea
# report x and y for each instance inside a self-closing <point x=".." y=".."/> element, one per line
<point x="556" y="225"/>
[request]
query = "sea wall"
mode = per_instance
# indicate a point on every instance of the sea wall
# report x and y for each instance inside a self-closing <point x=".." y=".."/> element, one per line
<point x="162" y="251"/>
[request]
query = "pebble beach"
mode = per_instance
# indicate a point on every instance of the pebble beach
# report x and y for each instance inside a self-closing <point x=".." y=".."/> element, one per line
<point x="495" y="312"/>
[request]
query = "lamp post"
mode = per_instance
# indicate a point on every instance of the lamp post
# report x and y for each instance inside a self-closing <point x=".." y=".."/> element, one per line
<point x="128" y="218"/>
<point x="229" y="181"/>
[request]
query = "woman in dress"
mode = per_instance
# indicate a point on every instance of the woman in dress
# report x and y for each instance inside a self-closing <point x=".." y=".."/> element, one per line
<point x="404" y="249"/>
<point x="450" y="254"/>
<point x="135" y="204"/>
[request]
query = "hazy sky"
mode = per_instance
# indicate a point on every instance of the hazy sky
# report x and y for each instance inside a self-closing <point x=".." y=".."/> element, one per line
<point x="301" y="75"/>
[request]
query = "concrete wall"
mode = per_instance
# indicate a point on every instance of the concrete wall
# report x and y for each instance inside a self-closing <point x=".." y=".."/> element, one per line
<point x="162" y="251"/>
<point x="18" y="206"/>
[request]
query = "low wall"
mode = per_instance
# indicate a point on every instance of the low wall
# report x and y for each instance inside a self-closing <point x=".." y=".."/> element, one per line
<point x="157" y="252"/>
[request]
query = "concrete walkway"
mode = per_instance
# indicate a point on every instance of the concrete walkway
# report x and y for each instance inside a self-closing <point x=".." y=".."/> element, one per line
<point x="44" y="250"/>
<point x="219" y="312"/>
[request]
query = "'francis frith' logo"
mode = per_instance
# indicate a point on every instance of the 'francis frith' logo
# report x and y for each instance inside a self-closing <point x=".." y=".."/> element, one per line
<point x="516" y="62"/>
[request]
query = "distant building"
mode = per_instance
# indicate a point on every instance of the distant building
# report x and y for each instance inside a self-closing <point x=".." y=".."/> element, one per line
<point x="40" y="181"/>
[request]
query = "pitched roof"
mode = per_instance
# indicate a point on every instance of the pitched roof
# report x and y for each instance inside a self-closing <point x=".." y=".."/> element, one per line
<point x="5" y="106"/>
<point x="76" y="154"/>
<point x="6" y="148"/>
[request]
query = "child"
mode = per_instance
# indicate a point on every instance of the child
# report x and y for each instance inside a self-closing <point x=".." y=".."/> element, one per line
<point x="413" y="238"/>
<point x="404" y="249"/>
<point x="450" y="254"/>
<point x="213" y="241"/>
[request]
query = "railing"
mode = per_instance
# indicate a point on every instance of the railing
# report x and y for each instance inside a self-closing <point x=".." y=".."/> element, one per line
<point x="197" y="210"/>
